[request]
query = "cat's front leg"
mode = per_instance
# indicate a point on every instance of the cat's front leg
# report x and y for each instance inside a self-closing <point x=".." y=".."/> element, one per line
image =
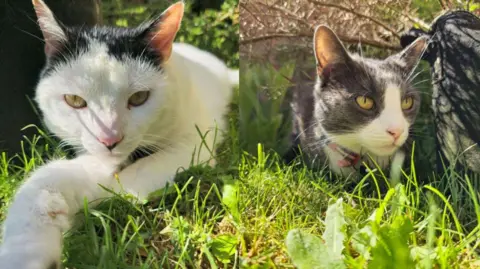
<point x="154" y="172"/>
<point x="43" y="208"/>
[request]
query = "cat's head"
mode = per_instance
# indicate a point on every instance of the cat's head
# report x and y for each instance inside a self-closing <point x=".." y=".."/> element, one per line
<point x="102" y="88"/>
<point x="365" y="104"/>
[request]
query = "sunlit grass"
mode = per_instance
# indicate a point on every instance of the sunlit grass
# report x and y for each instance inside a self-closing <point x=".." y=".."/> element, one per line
<point x="254" y="211"/>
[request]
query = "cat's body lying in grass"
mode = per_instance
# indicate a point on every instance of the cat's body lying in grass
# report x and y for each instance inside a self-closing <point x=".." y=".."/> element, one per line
<point x="359" y="108"/>
<point x="113" y="94"/>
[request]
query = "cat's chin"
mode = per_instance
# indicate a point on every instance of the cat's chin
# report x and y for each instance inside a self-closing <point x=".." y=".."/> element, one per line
<point x="383" y="151"/>
<point x="113" y="158"/>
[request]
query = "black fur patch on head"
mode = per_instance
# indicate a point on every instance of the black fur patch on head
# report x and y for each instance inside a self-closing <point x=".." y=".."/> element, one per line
<point x="335" y="97"/>
<point x="121" y="42"/>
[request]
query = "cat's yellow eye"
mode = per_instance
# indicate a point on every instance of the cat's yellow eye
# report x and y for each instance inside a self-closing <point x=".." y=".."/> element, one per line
<point x="365" y="102"/>
<point x="407" y="103"/>
<point x="75" y="101"/>
<point x="138" y="98"/>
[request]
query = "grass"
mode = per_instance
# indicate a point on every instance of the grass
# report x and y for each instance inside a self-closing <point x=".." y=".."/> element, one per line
<point x="180" y="227"/>
<point x="253" y="211"/>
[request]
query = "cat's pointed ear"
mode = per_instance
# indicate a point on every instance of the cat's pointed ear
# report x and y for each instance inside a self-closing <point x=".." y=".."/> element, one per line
<point x="328" y="48"/>
<point x="52" y="32"/>
<point x="164" y="29"/>
<point x="408" y="58"/>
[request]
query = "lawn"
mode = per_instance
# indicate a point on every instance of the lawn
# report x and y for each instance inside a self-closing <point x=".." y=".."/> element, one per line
<point x="254" y="211"/>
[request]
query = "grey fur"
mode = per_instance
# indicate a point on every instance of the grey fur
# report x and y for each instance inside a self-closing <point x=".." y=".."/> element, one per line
<point x="334" y="98"/>
<point x="330" y="106"/>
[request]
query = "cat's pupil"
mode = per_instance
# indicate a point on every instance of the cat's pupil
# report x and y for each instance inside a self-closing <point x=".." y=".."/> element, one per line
<point x="138" y="98"/>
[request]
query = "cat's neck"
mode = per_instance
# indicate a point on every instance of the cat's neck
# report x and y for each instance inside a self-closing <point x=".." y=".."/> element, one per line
<point x="346" y="160"/>
<point x="337" y="161"/>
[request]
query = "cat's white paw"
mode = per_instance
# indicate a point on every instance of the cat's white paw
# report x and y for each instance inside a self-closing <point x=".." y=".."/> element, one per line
<point x="27" y="261"/>
<point x="36" y="209"/>
<point x="54" y="209"/>
<point x="32" y="251"/>
<point x="33" y="237"/>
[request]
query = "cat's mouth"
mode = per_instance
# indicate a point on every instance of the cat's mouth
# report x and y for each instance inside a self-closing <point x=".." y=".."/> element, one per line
<point x="391" y="146"/>
<point x="385" y="150"/>
<point x="116" y="156"/>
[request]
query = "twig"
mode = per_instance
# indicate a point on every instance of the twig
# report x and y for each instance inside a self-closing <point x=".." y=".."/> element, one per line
<point x="346" y="39"/>
<point x="346" y="9"/>
<point x="251" y="13"/>
<point x="418" y="21"/>
<point x="444" y="7"/>
<point x="292" y="15"/>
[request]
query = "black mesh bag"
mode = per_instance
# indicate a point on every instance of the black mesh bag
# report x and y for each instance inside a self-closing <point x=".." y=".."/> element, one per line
<point x="454" y="57"/>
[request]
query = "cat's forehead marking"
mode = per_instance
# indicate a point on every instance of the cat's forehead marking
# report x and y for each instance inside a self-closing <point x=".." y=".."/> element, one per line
<point x="98" y="56"/>
<point x="392" y="98"/>
<point x="120" y="43"/>
<point x="102" y="56"/>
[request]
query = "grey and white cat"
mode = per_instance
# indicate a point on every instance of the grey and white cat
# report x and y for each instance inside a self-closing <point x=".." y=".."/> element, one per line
<point x="359" y="107"/>
<point x="113" y="94"/>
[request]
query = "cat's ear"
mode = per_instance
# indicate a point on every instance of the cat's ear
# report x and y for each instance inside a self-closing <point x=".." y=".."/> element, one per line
<point x="52" y="32"/>
<point x="328" y="48"/>
<point x="163" y="30"/>
<point x="408" y="58"/>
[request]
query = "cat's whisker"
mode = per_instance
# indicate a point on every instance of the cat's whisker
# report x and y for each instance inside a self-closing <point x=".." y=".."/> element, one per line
<point x="166" y="147"/>
<point x="424" y="93"/>
<point x="421" y="135"/>
<point x="313" y="125"/>
<point x="419" y="57"/>
<point x="412" y="78"/>
<point x="420" y="82"/>
<point x="174" y="141"/>
<point x="165" y="139"/>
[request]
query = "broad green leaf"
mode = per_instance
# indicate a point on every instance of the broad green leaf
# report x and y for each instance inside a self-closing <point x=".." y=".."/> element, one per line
<point x="223" y="247"/>
<point x="424" y="256"/>
<point x="363" y="240"/>
<point x="333" y="235"/>
<point x="392" y="245"/>
<point x="399" y="200"/>
<point x="230" y="197"/>
<point x="306" y="250"/>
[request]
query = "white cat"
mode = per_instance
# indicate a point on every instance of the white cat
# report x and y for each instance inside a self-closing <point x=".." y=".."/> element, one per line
<point x="113" y="93"/>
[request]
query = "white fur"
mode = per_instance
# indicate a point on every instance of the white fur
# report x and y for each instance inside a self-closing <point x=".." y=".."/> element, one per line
<point x="374" y="137"/>
<point x="373" y="140"/>
<point x="194" y="89"/>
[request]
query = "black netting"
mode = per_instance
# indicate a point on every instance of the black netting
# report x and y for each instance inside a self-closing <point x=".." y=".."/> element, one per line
<point x="454" y="57"/>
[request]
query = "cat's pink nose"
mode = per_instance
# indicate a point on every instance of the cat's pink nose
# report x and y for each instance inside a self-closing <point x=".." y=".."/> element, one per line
<point x="110" y="141"/>
<point x="395" y="132"/>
